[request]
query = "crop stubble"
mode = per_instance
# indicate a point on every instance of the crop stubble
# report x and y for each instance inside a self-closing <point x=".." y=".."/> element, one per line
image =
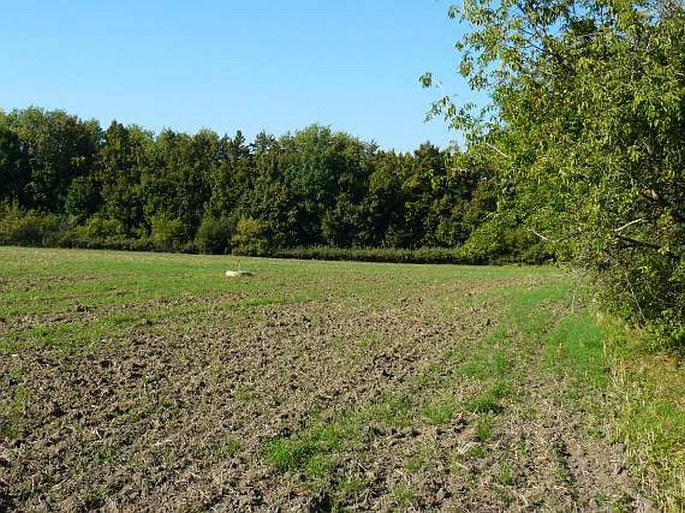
<point x="334" y="400"/>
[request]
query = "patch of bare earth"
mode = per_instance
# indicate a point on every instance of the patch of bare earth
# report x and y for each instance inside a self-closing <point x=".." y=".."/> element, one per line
<point x="178" y="417"/>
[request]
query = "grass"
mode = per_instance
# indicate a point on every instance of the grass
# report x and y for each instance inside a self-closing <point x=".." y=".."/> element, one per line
<point x="652" y="416"/>
<point x="421" y="456"/>
<point x="404" y="496"/>
<point x="577" y="346"/>
<point x="11" y="421"/>
<point x="313" y="449"/>
<point x="147" y="353"/>
<point x="484" y="426"/>
<point x="488" y="401"/>
<point x="440" y="412"/>
<point x="227" y="448"/>
<point x="506" y="476"/>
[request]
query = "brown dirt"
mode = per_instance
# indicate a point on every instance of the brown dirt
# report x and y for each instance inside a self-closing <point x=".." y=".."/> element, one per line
<point x="144" y="423"/>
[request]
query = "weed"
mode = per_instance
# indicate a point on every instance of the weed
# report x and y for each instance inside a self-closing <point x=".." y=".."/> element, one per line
<point x="484" y="427"/>
<point x="227" y="448"/>
<point x="439" y="412"/>
<point x="477" y="367"/>
<point x="243" y="395"/>
<point x="12" y="424"/>
<point x="561" y="455"/>
<point x="404" y="496"/>
<point x="478" y="450"/>
<point x="506" y="475"/>
<point x="488" y="401"/>
<point x="430" y="376"/>
<point x="394" y="411"/>
<point x="351" y="486"/>
<point x="318" y="465"/>
<point x="419" y="459"/>
<point x="314" y="448"/>
<point x="286" y="454"/>
<point x="577" y="346"/>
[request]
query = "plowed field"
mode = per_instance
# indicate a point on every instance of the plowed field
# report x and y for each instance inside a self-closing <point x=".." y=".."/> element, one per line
<point x="143" y="382"/>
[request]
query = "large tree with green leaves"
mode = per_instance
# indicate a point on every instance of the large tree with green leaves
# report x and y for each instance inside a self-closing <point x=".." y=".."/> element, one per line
<point x="58" y="148"/>
<point x="124" y="156"/>
<point x="587" y="121"/>
<point x="13" y="166"/>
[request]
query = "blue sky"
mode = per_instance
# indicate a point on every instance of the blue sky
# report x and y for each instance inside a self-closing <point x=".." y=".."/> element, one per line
<point x="271" y="65"/>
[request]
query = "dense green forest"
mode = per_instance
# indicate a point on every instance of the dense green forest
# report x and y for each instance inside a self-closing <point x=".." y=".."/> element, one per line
<point x="578" y="157"/>
<point x="69" y="182"/>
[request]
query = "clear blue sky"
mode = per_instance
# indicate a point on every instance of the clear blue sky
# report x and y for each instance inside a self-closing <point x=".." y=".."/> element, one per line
<point x="271" y="65"/>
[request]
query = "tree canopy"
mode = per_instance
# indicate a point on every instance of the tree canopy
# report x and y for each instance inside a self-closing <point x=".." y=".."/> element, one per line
<point x="586" y="127"/>
<point x="214" y="193"/>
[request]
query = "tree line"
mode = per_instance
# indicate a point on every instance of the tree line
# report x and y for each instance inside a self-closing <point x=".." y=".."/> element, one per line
<point x="68" y="181"/>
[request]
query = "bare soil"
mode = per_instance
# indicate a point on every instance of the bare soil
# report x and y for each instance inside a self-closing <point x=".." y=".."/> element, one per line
<point x="179" y="416"/>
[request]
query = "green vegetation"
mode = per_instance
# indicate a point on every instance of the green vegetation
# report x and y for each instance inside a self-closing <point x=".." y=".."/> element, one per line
<point x="488" y="401"/>
<point x="440" y="411"/>
<point x="576" y="158"/>
<point x="312" y="194"/>
<point x="340" y="385"/>
<point x="312" y="449"/>
<point x="584" y="133"/>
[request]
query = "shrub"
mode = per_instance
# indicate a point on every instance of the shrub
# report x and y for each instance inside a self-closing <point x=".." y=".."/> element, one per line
<point x="421" y="255"/>
<point x="250" y="237"/>
<point x="647" y="288"/>
<point x="98" y="227"/>
<point x="18" y="226"/>
<point x="167" y="232"/>
<point x="213" y="235"/>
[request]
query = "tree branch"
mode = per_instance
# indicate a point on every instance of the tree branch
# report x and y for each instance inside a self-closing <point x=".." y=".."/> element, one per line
<point x="631" y="223"/>
<point x="543" y="237"/>
<point x="495" y="148"/>
<point x="638" y="243"/>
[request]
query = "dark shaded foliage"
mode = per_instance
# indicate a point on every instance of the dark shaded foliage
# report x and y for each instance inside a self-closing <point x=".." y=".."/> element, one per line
<point x="203" y="192"/>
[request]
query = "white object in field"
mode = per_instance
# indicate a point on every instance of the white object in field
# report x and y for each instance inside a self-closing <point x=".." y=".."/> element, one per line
<point x="236" y="274"/>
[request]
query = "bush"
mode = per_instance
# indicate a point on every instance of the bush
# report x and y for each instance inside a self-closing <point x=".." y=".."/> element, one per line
<point x="98" y="227"/>
<point x="416" y="256"/>
<point x="500" y="241"/>
<point x="648" y="289"/>
<point x="30" y="227"/>
<point x="213" y="235"/>
<point x="250" y="237"/>
<point x="167" y="232"/>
